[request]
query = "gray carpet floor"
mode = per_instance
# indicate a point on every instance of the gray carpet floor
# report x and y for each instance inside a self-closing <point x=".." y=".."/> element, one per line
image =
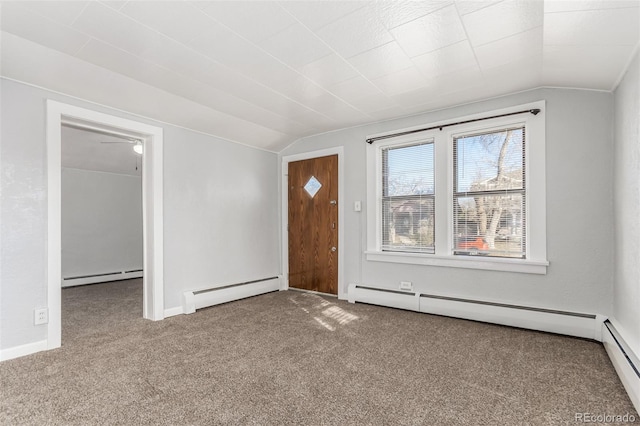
<point x="300" y="358"/>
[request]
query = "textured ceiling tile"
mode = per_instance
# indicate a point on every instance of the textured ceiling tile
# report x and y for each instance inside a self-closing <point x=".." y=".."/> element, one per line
<point x="381" y="60"/>
<point x="120" y="61"/>
<point x="178" y="58"/>
<point x="232" y="105"/>
<point x="396" y="13"/>
<point x="520" y="74"/>
<point x="64" y="12"/>
<point x="401" y="81"/>
<point x="503" y="20"/>
<point x="355" y="33"/>
<point x="510" y="49"/>
<point x="386" y="113"/>
<point x="176" y="19"/>
<point x="114" y="4"/>
<point x="145" y="72"/>
<point x="252" y="72"/>
<point x="250" y="90"/>
<point x="103" y="23"/>
<point x="27" y="24"/>
<point x="374" y="103"/>
<point x="25" y="60"/>
<point x="431" y="32"/>
<point x="336" y="109"/>
<point x="298" y="87"/>
<point x="593" y="27"/>
<point x="572" y="5"/>
<point x="317" y="14"/>
<point x="469" y="6"/>
<point x="278" y="76"/>
<point x="355" y="88"/>
<point x="296" y="46"/>
<point x="222" y="45"/>
<point x="255" y="20"/>
<point x="468" y="79"/>
<point x="313" y="118"/>
<point x="596" y="67"/>
<point x="329" y="70"/>
<point x="448" y="59"/>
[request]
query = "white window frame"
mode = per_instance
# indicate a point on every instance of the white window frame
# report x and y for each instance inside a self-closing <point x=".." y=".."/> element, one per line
<point x="535" y="181"/>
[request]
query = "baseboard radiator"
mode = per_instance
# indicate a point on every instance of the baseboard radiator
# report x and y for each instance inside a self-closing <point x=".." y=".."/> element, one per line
<point x="198" y="299"/>
<point x="624" y="360"/>
<point x="101" y="277"/>
<point x="570" y="323"/>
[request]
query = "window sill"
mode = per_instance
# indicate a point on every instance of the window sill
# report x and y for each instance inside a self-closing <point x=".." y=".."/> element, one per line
<point x="467" y="262"/>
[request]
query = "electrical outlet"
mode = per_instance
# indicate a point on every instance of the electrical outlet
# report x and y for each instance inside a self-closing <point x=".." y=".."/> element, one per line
<point x="40" y="316"/>
<point x="406" y="286"/>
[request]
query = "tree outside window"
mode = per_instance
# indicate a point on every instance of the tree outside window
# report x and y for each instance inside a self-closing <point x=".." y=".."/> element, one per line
<point x="489" y="194"/>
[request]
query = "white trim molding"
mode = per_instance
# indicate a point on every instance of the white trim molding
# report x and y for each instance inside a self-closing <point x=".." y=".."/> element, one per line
<point x="23" y="350"/>
<point x="59" y="113"/>
<point x="624" y="360"/>
<point x="478" y="262"/>
<point x="588" y="326"/>
<point x="172" y="312"/>
<point x="339" y="151"/>
<point x="219" y="294"/>
<point x="101" y="278"/>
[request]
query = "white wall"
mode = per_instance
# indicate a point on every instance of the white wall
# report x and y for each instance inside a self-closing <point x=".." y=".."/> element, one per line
<point x="221" y="213"/>
<point x="626" y="290"/>
<point x="220" y="210"/>
<point x="579" y="186"/>
<point x="101" y="223"/>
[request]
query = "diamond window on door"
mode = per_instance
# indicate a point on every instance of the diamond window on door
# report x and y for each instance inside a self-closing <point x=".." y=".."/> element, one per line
<point x="312" y="186"/>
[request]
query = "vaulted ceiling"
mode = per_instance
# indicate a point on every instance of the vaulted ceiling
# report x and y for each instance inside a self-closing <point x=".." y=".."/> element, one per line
<point x="265" y="73"/>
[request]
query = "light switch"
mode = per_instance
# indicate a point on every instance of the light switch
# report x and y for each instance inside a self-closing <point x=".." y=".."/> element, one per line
<point x="357" y="206"/>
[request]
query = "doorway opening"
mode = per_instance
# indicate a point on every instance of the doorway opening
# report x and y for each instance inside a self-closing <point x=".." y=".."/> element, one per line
<point x="151" y="141"/>
<point x="102" y="242"/>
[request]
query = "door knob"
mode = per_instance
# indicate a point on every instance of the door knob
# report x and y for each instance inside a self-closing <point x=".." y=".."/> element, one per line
<point x="333" y="249"/>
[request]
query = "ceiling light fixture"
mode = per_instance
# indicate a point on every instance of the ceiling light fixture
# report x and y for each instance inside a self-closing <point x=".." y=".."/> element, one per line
<point x="138" y="148"/>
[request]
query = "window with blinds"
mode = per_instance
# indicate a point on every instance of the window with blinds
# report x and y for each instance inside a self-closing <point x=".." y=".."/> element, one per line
<point x="489" y="197"/>
<point x="408" y="198"/>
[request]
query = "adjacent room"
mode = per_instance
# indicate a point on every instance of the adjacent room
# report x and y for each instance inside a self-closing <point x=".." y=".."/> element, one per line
<point x="320" y="212"/>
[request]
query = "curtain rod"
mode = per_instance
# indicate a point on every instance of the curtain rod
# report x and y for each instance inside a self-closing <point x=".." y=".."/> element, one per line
<point x="534" y="111"/>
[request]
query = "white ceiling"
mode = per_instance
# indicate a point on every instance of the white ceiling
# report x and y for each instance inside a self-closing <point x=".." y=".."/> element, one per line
<point x="83" y="149"/>
<point x="264" y="73"/>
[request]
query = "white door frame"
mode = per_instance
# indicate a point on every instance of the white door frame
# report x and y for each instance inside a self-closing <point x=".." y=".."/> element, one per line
<point x="152" y="207"/>
<point x="339" y="151"/>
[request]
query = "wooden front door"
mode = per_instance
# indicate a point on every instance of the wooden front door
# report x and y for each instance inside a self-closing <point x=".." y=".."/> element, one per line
<point x="313" y="224"/>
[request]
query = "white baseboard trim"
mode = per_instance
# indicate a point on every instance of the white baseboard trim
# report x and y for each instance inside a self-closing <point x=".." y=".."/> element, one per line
<point x="624" y="361"/>
<point x="192" y="300"/>
<point x="23" y="350"/>
<point x="383" y="297"/>
<point x="172" y="312"/>
<point x="568" y="323"/>
<point x="560" y="323"/>
<point x="101" y="278"/>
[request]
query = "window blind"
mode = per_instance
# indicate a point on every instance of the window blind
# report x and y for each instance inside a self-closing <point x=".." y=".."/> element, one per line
<point x="489" y="198"/>
<point x="408" y="198"/>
